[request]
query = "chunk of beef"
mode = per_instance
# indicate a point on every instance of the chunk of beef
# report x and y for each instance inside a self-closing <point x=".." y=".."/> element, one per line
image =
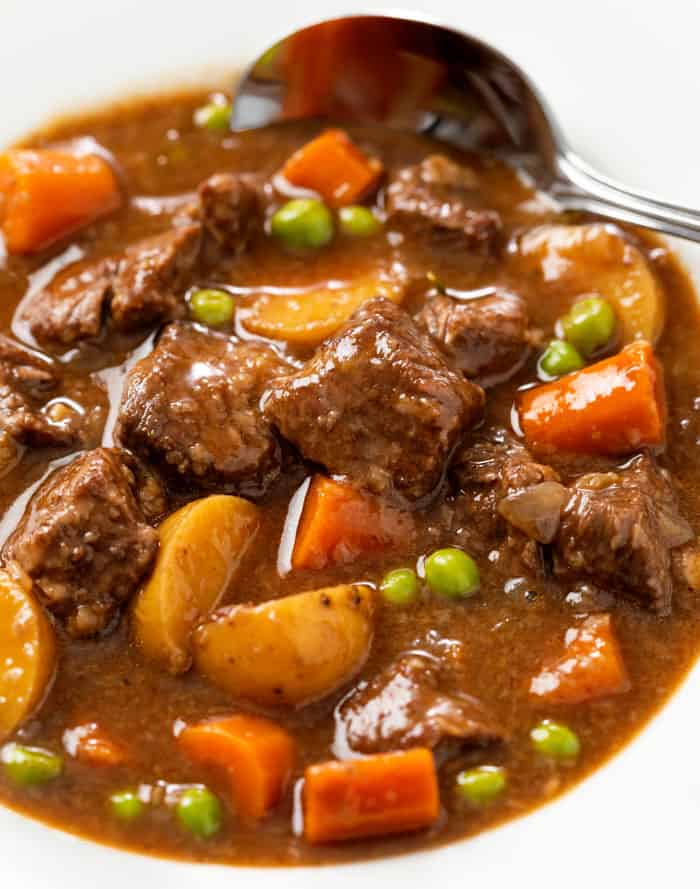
<point x="230" y="208"/>
<point x="27" y="381"/>
<point x="191" y="407"/>
<point x="72" y="307"/>
<point x="403" y="707"/>
<point x="84" y="540"/>
<point x="146" y="283"/>
<point x="29" y="371"/>
<point x="441" y="197"/>
<point x="152" y="277"/>
<point x="618" y="528"/>
<point x="499" y="460"/>
<point x="377" y="403"/>
<point x="493" y="468"/>
<point x="487" y="337"/>
<point x="508" y="502"/>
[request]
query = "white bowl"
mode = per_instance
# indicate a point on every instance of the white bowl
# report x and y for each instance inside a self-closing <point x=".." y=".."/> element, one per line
<point x="625" y="85"/>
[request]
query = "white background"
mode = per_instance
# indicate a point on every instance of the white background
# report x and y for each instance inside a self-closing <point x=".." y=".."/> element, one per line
<point x="624" y="78"/>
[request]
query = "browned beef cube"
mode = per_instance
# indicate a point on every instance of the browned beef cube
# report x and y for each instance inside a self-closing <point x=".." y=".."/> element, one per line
<point x="618" y="529"/>
<point x="403" y="707"/>
<point x="152" y="277"/>
<point x="191" y="407"/>
<point x="486" y="338"/>
<point x="377" y="403"/>
<point x="27" y="381"/>
<point x="144" y="285"/>
<point x="230" y="208"/>
<point x="73" y="306"/>
<point x="147" y="282"/>
<point x="442" y="198"/>
<point x="84" y="539"/>
<point x="499" y="461"/>
<point x="508" y="502"/>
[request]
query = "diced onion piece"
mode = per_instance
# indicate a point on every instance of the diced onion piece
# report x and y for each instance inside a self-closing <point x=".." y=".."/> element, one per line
<point x="535" y="510"/>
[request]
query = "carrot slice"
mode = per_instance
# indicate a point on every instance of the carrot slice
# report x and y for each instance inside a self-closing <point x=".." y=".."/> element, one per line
<point x="613" y="407"/>
<point x="334" y="167"/>
<point x="91" y="744"/>
<point x="591" y="666"/>
<point x="339" y="523"/>
<point x="257" y="754"/>
<point x="376" y="796"/>
<point x="46" y="194"/>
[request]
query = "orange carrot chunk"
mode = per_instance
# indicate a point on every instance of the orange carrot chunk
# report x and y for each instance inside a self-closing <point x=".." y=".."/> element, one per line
<point x="46" y="194"/>
<point x="590" y="667"/>
<point x="257" y="754"/>
<point x="376" y="796"/>
<point x="339" y="523"/>
<point x="613" y="407"/>
<point x="89" y="743"/>
<point x="333" y="167"/>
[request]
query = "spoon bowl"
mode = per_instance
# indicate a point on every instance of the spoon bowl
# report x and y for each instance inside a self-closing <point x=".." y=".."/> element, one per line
<point x="413" y="74"/>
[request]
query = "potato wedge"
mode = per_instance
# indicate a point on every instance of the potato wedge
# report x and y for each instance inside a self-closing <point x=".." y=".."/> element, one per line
<point x="201" y="547"/>
<point x="308" y="318"/>
<point x="289" y="651"/>
<point x="596" y="259"/>
<point x="27" y="650"/>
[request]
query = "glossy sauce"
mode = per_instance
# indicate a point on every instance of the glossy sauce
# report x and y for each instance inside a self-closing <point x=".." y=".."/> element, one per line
<point x="501" y="635"/>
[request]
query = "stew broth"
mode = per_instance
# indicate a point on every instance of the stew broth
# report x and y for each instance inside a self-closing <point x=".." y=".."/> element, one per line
<point x="500" y="637"/>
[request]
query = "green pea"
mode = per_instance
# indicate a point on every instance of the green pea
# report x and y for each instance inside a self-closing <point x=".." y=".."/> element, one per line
<point x="215" y="116"/>
<point x="126" y="805"/>
<point x="212" y="307"/>
<point x="555" y="740"/>
<point x="400" y="587"/>
<point x="560" y="358"/>
<point x="358" y="222"/>
<point x="589" y="325"/>
<point x="481" y="785"/>
<point x="30" y="765"/>
<point x="452" y="573"/>
<point x="200" y="812"/>
<point x="303" y="222"/>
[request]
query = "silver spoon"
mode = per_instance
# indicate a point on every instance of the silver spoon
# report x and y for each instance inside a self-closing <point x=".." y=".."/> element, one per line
<point x="412" y="74"/>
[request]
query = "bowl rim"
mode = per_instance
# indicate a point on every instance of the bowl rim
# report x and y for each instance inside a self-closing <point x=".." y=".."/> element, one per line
<point x="552" y="838"/>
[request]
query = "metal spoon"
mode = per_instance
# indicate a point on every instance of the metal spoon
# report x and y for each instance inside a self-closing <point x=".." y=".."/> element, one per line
<point x="413" y="74"/>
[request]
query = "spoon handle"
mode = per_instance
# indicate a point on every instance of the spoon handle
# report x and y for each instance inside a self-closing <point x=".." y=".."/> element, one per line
<point x="581" y="188"/>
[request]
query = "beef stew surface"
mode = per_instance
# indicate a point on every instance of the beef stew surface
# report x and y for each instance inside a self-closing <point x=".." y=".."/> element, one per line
<point x="394" y="511"/>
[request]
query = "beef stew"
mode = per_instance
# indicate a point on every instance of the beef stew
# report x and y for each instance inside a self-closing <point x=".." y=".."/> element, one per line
<point x="333" y="527"/>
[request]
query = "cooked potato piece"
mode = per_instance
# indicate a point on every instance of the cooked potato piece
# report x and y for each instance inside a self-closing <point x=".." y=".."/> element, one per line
<point x="201" y="546"/>
<point x="597" y="259"/>
<point x="308" y="318"/>
<point x="289" y="651"/>
<point x="27" y="650"/>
